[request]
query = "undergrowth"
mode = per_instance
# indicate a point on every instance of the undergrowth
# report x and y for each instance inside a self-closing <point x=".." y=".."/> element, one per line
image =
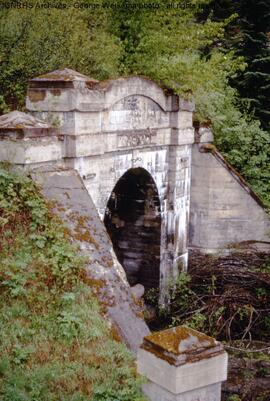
<point x="225" y="297"/>
<point x="228" y="298"/>
<point x="55" y="343"/>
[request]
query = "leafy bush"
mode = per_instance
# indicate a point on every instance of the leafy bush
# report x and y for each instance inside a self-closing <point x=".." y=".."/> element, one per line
<point x="38" y="40"/>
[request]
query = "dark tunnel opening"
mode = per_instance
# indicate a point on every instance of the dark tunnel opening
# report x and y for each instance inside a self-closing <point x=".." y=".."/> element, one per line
<point x="133" y="222"/>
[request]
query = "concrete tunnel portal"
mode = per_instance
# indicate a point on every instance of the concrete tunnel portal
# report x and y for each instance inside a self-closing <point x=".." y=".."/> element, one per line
<point x="133" y="222"/>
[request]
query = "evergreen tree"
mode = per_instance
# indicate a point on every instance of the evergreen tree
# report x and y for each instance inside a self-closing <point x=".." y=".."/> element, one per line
<point x="254" y="83"/>
<point x="248" y="36"/>
<point x="171" y="46"/>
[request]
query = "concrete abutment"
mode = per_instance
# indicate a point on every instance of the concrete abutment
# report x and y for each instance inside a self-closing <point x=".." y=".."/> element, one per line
<point x="106" y="130"/>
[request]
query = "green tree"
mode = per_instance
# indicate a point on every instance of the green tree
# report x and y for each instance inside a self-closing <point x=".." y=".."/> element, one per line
<point x="184" y="47"/>
<point x="190" y="53"/>
<point x="254" y="83"/>
<point x="248" y="36"/>
<point x="39" y="40"/>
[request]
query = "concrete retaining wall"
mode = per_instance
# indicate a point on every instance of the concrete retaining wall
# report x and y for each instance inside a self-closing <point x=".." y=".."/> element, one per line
<point x="106" y="276"/>
<point x="224" y="210"/>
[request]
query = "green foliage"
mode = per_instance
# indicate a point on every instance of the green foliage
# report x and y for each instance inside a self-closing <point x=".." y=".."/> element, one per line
<point x="244" y="140"/>
<point x="189" y="56"/>
<point x="179" y="291"/>
<point x="181" y="297"/>
<point x="240" y="138"/>
<point x="39" y="40"/>
<point x="193" y="49"/>
<point x="55" y="344"/>
<point x="234" y="397"/>
<point x="248" y="37"/>
<point x="254" y="83"/>
<point x="197" y="321"/>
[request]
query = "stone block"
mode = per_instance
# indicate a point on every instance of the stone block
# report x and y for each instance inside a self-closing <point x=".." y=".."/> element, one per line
<point x="205" y="135"/>
<point x="87" y="123"/>
<point x="182" y="136"/>
<point x="28" y="140"/>
<point x="158" y="393"/>
<point x="182" y="119"/>
<point x="221" y="205"/>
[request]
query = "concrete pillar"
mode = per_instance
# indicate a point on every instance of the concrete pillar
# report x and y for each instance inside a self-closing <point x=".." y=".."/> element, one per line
<point x="29" y="141"/>
<point x="182" y="364"/>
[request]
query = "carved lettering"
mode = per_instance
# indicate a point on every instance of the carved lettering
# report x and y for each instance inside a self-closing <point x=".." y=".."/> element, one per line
<point x="133" y="139"/>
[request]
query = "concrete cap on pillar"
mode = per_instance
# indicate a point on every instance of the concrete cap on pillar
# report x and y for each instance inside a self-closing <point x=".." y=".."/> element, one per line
<point x="60" y="90"/>
<point x="182" y="364"/>
<point x="66" y="77"/>
<point x="27" y="140"/>
<point x="180" y="345"/>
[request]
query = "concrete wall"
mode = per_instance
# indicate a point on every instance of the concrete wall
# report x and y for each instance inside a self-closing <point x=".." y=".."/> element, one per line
<point x="104" y="129"/>
<point x="113" y="126"/>
<point x="224" y="210"/>
<point x="101" y="130"/>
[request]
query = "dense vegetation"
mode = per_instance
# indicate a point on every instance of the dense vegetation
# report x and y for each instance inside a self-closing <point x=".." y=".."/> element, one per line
<point x="248" y="36"/>
<point x="202" y="49"/>
<point x="55" y="343"/>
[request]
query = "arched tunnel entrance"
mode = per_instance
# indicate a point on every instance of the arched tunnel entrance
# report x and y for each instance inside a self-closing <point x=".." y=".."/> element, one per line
<point x="133" y="222"/>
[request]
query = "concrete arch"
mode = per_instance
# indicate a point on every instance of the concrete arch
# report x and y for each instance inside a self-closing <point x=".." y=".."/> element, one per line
<point x="67" y="90"/>
<point x="118" y="89"/>
<point x="153" y="161"/>
<point x="133" y="222"/>
<point x="144" y="96"/>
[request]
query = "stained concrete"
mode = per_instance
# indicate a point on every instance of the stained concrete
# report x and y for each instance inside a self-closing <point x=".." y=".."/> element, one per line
<point x="157" y="393"/>
<point x="224" y="209"/>
<point x="114" y="126"/>
<point x="26" y="140"/>
<point x="102" y="131"/>
<point x="72" y="202"/>
<point x="182" y="364"/>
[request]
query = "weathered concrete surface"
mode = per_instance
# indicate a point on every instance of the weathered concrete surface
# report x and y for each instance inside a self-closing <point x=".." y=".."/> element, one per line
<point x="26" y="140"/>
<point x="224" y="210"/>
<point x="157" y="393"/>
<point x="19" y="120"/>
<point x="114" y="126"/>
<point x="73" y="203"/>
<point x="106" y="130"/>
<point x="182" y="364"/>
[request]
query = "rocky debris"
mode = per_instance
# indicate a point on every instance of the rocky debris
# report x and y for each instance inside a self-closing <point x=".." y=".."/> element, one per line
<point x="137" y="291"/>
